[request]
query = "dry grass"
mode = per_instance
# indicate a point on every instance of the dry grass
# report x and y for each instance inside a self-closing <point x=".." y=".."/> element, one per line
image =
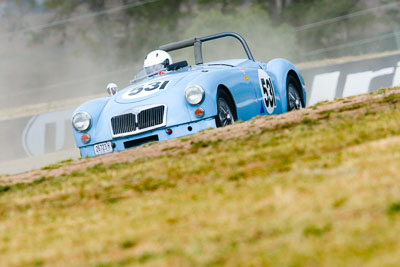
<point x="321" y="189"/>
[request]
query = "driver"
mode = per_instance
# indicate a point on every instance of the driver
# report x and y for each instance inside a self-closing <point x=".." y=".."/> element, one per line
<point x="156" y="61"/>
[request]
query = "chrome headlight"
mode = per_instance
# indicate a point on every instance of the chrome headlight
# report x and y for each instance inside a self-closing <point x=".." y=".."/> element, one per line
<point x="81" y="121"/>
<point x="194" y="94"/>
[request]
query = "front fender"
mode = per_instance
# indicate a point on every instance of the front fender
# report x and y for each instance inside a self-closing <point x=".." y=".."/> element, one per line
<point x="94" y="108"/>
<point x="209" y="85"/>
<point x="241" y="90"/>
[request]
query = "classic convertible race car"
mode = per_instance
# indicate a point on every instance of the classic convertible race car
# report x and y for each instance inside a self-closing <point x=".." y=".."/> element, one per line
<point x="171" y="100"/>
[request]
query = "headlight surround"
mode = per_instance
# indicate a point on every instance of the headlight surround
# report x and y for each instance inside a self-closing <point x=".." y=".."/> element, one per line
<point x="81" y="121"/>
<point x="194" y="94"/>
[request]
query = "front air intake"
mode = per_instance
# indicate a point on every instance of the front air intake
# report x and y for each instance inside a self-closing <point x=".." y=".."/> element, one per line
<point x="139" y="120"/>
<point x="123" y="124"/>
<point x="151" y="117"/>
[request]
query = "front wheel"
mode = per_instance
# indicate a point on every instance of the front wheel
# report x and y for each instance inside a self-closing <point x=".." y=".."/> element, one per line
<point x="293" y="97"/>
<point x="225" y="110"/>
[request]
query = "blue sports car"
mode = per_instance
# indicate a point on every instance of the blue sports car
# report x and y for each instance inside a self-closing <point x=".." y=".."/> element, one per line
<point x="169" y="100"/>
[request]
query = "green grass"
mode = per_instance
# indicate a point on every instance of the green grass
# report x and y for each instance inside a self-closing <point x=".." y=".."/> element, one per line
<point x="394" y="208"/>
<point x="58" y="165"/>
<point x="318" y="192"/>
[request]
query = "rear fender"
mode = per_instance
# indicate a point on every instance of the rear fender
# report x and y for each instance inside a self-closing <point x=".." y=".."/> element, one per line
<point x="279" y="69"/>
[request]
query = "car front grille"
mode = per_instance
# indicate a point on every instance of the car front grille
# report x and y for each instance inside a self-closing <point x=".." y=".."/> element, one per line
<point x="151" y="117"/>
<point x="140" y="120"/>
<point x="124" y="123"/>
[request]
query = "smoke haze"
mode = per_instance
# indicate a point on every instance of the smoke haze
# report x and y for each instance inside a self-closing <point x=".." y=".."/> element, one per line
<point x="41" y="66"/>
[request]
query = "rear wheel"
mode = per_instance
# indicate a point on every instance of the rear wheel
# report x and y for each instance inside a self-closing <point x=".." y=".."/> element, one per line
<point x="293" y="97"/>
<point x="225" y="110"/>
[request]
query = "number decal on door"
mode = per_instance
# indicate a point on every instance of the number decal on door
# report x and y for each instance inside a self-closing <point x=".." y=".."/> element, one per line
<point x="267" y="91"/>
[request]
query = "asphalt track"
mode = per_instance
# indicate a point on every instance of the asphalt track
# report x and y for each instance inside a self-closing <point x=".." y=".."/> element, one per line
<point x="36" y="162"/>
<point x="32" y="163"/>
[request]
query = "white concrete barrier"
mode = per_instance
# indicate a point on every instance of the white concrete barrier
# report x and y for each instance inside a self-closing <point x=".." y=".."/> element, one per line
<point x="341" y="78"/>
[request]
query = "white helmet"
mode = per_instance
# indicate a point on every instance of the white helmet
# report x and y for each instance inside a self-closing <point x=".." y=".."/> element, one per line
<point x="155" y="61"/>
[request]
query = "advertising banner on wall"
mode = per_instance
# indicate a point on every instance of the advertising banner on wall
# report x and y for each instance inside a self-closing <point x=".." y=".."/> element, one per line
<point x="351" y="78"/>
<point x="36" y="135"/>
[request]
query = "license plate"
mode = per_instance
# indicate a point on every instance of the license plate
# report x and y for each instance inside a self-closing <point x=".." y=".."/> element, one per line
<point x="103" y="148"/>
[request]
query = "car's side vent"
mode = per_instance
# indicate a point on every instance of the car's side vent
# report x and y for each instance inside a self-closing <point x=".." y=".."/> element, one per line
<point x="141" y="120"/>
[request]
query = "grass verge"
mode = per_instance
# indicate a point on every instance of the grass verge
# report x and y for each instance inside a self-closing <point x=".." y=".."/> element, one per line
<point x="321" y="191"/>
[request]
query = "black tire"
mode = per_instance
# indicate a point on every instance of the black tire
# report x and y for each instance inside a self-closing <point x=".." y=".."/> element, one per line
<point x="293" y="97"/>
<point x="225" y="108"/>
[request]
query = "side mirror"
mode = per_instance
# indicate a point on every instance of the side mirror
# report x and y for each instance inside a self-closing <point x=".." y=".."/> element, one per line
<point x="112" y="89"/>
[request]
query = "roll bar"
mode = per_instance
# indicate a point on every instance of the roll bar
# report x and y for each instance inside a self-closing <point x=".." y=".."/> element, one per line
<point x="196" y="42"/>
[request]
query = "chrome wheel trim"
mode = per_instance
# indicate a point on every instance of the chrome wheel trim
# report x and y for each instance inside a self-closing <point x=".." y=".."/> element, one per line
<point x="294" y="98"/>
<point x="224" y="113"/>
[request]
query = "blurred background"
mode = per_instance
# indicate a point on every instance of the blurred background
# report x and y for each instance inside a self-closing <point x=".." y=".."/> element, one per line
<point x="52" y="51"/>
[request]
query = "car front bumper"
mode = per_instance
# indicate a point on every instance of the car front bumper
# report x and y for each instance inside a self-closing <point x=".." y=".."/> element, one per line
<point x="160" y="134"/>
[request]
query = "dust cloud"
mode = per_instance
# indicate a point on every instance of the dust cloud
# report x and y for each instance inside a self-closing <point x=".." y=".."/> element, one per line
<point x="42" y="65"/>
<point x="266" y="41"/>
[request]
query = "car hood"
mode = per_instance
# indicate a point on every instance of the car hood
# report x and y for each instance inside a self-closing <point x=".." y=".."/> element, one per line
<point x="171" y="83"/>
<point x="150" y="88"/>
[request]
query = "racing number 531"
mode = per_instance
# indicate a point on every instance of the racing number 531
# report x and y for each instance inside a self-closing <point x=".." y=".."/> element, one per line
<point x="149" y="87"/>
